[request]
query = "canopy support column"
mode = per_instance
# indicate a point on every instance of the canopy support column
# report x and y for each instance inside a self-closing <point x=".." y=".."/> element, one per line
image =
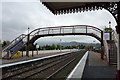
<point x="102" y="46"/>
<point x="118" y="50"/>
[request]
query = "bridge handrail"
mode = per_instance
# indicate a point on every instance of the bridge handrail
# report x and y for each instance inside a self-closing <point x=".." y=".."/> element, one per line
<point x="115" y="37"/>
<point x="60" y="27"/>
<point x="106" y="48"/>
<point x="22" y="36"/>
<point x="3" y="48"/>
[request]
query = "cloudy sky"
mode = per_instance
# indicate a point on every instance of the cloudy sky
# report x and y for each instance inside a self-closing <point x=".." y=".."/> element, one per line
<point x="18" y="16"/>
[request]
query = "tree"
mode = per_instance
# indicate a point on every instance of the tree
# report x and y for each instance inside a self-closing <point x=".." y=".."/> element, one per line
<point x="31" y="47"/>
<point x="107" y="30"/>
<point x="89" y="47"/>
<point x="23" y="48"/>
<point x="47" y="47"/>
<point x="7" y="42"/>
<point x="58" y="46"/>
<point x="0" y="43"/>
<point x="4" y="43"/>
<point x="53" y="47"/>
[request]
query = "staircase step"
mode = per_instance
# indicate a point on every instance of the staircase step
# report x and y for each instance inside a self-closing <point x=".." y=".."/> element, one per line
<point x="113" y="52"/>
<point x="113" y="63"/>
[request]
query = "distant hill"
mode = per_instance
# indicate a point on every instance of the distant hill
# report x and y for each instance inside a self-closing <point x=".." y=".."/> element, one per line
<point x="70" y="44"/>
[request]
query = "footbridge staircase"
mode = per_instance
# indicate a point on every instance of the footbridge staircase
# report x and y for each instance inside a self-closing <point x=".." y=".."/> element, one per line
<point x="111" y="48"/>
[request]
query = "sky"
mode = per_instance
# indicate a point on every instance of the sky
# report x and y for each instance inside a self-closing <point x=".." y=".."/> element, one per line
<point x="18" y="16"/>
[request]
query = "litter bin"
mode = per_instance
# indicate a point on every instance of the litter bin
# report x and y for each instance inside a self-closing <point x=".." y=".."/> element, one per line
<point x="17" y="54"/>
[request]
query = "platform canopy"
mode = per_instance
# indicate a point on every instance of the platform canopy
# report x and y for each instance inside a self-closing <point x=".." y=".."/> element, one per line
<point x="66" y="7"/>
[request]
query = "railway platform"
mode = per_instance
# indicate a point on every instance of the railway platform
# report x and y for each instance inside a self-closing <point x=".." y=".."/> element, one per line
<point x="24" y="58"/>
<point x="95" y="69"/>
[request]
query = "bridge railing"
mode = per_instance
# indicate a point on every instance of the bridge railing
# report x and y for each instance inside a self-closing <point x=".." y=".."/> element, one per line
<point x="66" y="29"/>
<point x="12" y="42"/>
<point x="5" y="49"/>
<point x="106" y="48"/>
<point x="115" y="37"/>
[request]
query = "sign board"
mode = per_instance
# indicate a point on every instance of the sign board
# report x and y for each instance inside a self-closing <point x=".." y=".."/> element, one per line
<point x="37" y="46"/>
<point x="107" y="36"/>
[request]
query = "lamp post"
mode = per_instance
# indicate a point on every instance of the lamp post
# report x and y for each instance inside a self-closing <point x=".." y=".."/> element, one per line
<point x="109" y="24"/>
<point x="94" y="44"/>
<point x="110" y="30"/>
<point x="28" y="30"/>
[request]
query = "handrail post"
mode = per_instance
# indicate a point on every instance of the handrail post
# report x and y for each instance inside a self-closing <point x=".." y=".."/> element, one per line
<point x="7" y="54"/>
<point x="60" y="30"/>
<point x="73" y="30"/>
<point x="48" y="30"/>
<point x="86" y="29"/>
<point x="38" y="33"/>
<point x="22" y="52"/>
<point x="52" y="31"/>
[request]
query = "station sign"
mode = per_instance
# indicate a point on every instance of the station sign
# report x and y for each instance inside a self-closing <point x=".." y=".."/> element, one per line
<point x="107" y="36"/>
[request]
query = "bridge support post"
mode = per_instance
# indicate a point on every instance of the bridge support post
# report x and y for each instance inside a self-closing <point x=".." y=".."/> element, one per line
<point x="118" y="50"/>
<point x="7" y="54"/>
<point x="102" y="46"/>
<point x="27" y="50"/>
<point x="22" y="52"/>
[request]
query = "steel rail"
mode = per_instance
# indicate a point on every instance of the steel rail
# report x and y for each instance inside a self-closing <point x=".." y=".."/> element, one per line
<point x="48" y="67"/>
<point x="45" y="66"/>
<point x="56" y="72"/>
<point x="60" y="69"/>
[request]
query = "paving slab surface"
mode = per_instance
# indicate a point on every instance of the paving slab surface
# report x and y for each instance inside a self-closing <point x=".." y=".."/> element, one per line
<point x="97" y="69"/>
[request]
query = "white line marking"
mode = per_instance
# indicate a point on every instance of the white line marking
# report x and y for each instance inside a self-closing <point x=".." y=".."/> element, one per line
<point x="78" y="70"/>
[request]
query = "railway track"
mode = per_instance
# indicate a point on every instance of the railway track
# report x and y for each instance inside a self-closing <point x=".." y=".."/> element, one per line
<point x="46" y="69"/>
<point x="63" y="72"/>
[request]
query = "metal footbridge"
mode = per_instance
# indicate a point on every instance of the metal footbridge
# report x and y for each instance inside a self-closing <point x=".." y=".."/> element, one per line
<point x="95" y="32"/>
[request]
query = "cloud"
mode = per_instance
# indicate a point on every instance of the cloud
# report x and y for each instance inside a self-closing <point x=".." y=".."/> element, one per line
<point x="18" y="16"/>
<point x="80" y="38"/>
<point x="0" y="22"/>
